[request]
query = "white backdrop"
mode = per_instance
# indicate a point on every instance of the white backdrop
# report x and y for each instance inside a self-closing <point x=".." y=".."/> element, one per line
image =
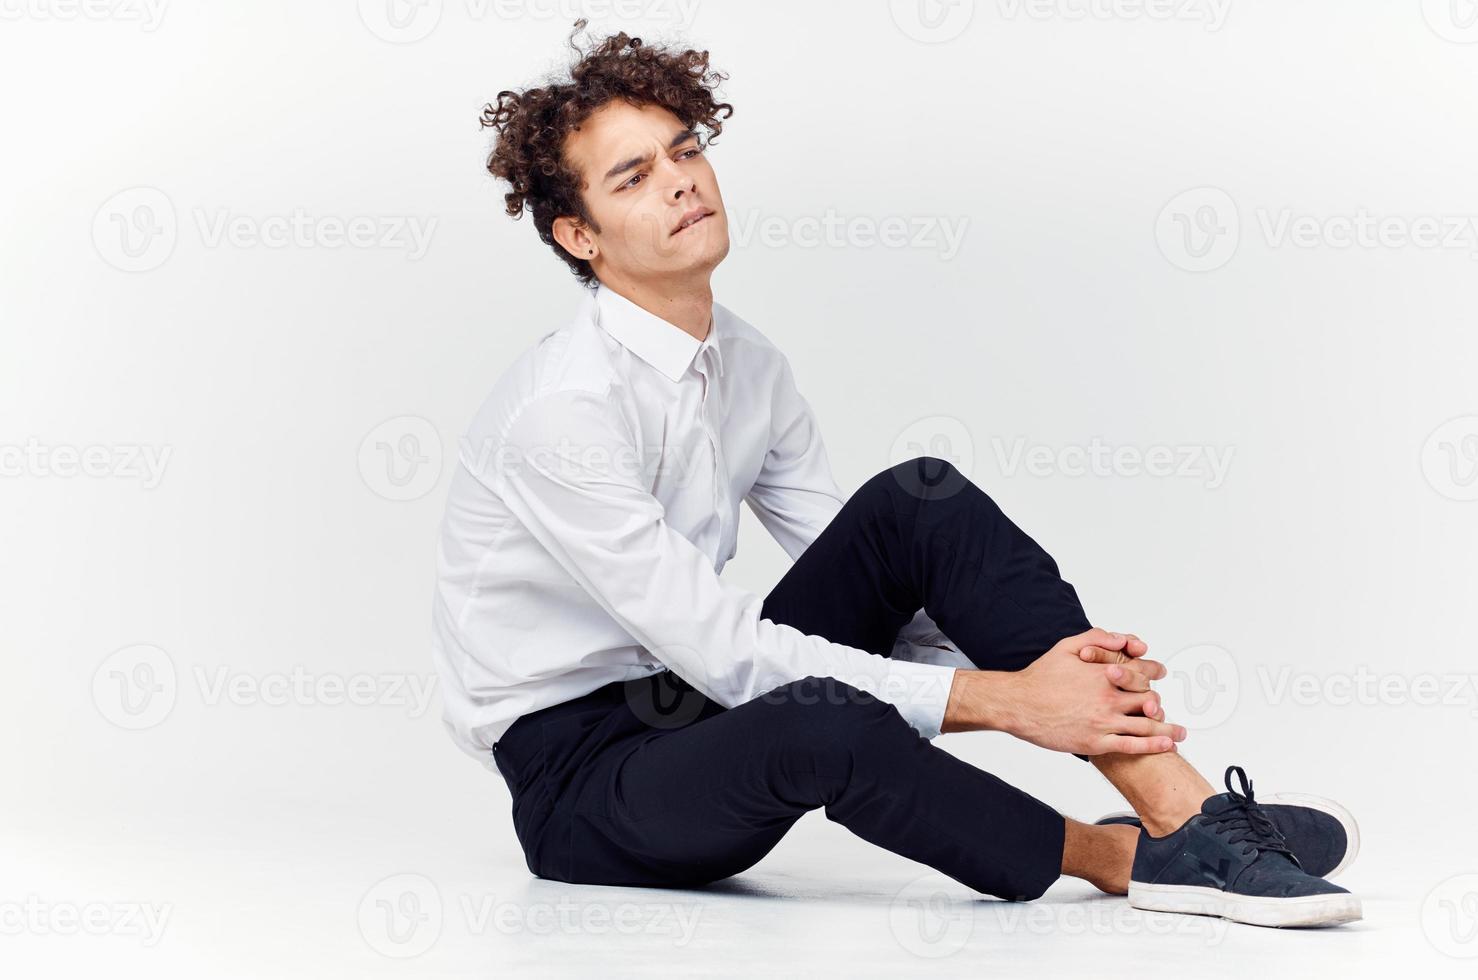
<point x="1188" y="286"/>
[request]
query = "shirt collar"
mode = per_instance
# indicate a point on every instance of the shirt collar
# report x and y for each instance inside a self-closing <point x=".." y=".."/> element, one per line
<point x="663" y="345"/>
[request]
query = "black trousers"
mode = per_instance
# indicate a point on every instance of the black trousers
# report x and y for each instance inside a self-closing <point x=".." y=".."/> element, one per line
<point x="648" y="782"/>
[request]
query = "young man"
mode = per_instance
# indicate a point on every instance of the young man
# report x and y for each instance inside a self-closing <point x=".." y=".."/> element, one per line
<point x="658" y="726"/>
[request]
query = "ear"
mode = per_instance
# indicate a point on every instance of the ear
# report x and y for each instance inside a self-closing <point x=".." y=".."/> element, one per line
<point x="574" y="238"/>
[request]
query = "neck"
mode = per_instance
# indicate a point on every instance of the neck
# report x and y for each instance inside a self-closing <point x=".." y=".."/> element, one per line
<point x="689" y="307"/>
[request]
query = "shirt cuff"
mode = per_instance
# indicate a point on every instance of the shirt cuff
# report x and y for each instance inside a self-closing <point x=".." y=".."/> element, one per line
<point x="920" y="692"/>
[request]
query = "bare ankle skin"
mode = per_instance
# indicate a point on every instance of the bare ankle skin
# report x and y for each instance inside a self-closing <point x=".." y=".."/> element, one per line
<point x="1101" y="856"/>
<point x="1165" y="790"/>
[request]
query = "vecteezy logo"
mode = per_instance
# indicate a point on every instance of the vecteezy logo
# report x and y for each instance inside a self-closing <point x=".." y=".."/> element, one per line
<point x="1452" y="20"/>
<point x="1450" y="458"/>
<point x="401" y="916"/>
<point x="400" y="459"/>
<point x="664" y="700"/>
<point x="1198" y="230"/>
<point x="928" y="919"/>
<point x="135" y="230"/>
<point x="939" y="437"/>
<point x="400" y="21"/>
<point x="1450" y="916"/>
<point x="135" y="688"/>
<point x="1202" y="685"/>
<point x="652" y="243"/>
<point x="932" y="21"/>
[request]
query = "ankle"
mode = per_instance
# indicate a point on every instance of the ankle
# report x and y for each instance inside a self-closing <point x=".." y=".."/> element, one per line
<point x="1100" y="855"/>
<point x="1164" y="790"/>
<point x="1159" y="824"/>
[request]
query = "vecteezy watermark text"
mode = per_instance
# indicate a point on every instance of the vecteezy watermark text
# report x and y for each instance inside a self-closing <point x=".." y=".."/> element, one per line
<point x="1208" y="464"/>
<point x="147" y="13"/>
<point x="941" y="234"/>
<point x="121" y="461"/>
<point x="34" y="916"/>
<point x="1368" y="687"/>
<point x="137" y="687"/>
<point x="403" y="916"/>
<point x="1201" y="230"/>
<point x="1211" y="14"/>
<point x="136" y="230"/>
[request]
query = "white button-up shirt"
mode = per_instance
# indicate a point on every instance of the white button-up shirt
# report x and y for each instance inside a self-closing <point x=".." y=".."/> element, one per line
<point x="593" y="507"/>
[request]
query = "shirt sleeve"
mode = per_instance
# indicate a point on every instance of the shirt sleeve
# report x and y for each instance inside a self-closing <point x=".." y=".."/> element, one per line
<point x="572" y="474"/>
<point x="796" y="496"/>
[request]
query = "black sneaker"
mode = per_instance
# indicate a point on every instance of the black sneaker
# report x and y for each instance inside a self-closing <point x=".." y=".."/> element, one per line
<point x="1230" y="860"/>
<point x="1322" y="835"/>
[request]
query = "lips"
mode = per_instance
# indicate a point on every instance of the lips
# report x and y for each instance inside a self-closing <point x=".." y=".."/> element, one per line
<point x="692" y="218"/>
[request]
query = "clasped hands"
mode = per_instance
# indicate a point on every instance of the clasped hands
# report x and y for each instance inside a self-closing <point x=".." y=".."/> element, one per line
<point x="1089" y="694"/>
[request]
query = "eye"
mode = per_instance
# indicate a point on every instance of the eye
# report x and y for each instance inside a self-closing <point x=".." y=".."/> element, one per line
<point x="632" y="182"/>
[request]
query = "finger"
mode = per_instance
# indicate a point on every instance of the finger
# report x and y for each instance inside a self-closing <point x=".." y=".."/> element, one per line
<point x="1125" y="679"/>
<point x="1144" y="727"/>
<point x="1100" y="638"/>
<point x="1136" y="703"/>
<point x="1098" y="655"/>
<point x="1134" y="745"/>
<point x="1152" y="669"/>
<point x="1134" y="646"/>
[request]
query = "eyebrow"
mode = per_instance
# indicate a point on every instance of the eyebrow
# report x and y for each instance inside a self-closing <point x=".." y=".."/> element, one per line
<point x="678" y="140"/>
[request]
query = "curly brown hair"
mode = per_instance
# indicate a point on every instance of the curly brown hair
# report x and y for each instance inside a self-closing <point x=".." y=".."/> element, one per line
<point x="532" y="124"/>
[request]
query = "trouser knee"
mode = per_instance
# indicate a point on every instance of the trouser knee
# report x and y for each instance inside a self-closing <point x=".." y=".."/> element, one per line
<point x="928" y="479"/>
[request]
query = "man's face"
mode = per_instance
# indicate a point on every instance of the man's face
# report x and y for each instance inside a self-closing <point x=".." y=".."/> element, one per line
<point x="644" y="174"/>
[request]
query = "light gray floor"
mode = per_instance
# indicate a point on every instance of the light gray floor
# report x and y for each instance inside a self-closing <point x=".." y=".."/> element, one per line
<point x="307" y="888"/>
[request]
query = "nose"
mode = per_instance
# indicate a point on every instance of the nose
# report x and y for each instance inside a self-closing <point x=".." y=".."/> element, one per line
<point x="678" y="181"/>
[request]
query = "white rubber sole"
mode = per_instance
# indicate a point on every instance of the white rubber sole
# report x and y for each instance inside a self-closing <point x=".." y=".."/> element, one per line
<point x="1305" y="910"/>
<point x="1345" y="817"/>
